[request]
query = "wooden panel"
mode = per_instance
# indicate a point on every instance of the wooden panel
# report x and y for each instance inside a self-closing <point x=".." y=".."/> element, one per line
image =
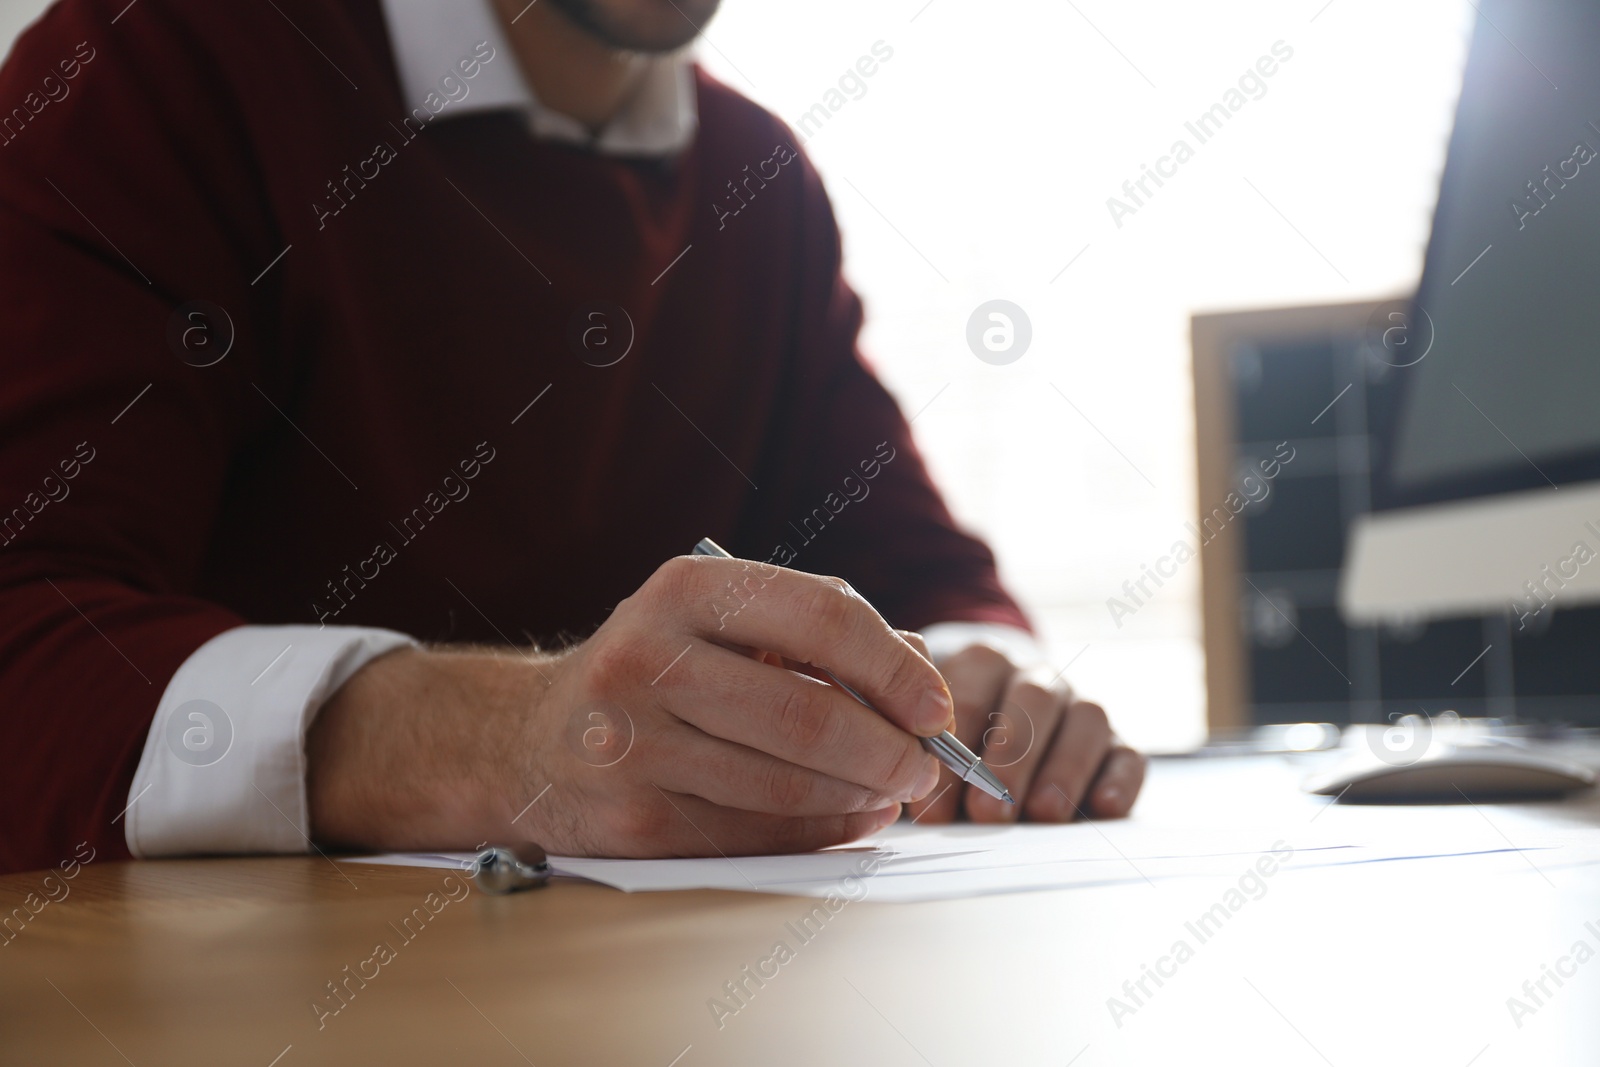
<point x="1214" y="338"/>
<point x="218" y="962"/>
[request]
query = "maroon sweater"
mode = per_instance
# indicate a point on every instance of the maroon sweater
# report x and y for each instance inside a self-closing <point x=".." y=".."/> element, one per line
<point x="364" y="453"/>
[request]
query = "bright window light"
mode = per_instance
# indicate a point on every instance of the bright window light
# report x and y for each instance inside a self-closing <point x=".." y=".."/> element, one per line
<point x="976" y="163"/>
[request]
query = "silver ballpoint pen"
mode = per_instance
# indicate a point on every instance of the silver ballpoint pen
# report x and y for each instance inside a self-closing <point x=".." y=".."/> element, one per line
<point x="946" y="747"/>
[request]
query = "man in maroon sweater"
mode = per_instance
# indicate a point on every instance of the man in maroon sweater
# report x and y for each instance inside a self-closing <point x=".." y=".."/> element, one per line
<point x="334" y="327"/>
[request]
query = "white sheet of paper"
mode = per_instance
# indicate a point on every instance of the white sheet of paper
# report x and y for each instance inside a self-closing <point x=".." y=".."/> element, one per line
<point x="1255" y="809"/>
<point x="913" y="864"/>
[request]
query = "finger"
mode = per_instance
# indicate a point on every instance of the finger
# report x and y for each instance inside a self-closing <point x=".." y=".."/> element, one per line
<point x="914" y="639"/>
<point x="734" y="776"/>
<point x="1076" y="753"/>
<point x="816" y="620"/>
<point x="799" y="720"/>
<point x="1014" y="743"/>
<point x="680" y="825"/>
<point x="1117" y="785"/>
<point x="977" y="677"/>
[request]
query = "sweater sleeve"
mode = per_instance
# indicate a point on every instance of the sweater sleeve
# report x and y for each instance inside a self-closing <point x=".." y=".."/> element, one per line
<point x="123" y="403"/>
<point x="857" y="501"/>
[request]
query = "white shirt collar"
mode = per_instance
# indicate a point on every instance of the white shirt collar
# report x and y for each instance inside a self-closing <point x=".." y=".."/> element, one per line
<point x="431" y="37"/>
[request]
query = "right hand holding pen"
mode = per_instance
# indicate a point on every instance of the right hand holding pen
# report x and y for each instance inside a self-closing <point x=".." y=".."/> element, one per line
<point x="675" y="730"/>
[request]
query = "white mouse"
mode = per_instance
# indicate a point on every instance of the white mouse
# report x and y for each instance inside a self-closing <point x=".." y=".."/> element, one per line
<point x="1452" y="774"/>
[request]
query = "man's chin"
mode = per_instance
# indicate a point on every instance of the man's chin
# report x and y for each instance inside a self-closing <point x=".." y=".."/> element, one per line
<point x="650" y="26"/>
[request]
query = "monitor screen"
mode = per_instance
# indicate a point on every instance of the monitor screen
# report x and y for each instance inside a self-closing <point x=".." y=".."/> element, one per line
<point x="1495" y="384"/>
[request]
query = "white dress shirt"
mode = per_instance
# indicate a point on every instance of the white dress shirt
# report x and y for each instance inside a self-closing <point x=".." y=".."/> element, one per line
<point x="223" y="768"/>
<point x="430" y="37"/>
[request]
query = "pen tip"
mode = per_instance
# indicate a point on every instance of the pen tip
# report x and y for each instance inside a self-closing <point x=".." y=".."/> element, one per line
<point x="1007" y="797"/>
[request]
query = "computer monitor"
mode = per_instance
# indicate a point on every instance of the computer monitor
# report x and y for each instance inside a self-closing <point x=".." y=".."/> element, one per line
<point x="1486" y="446"/>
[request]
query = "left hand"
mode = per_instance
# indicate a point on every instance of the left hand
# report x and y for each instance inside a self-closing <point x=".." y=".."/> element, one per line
<point x="1057" y="754"/>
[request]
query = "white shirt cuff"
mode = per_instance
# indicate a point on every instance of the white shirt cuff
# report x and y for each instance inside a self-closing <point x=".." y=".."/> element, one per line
<point x="947" y="638"/>
<point x="224" y="766"/>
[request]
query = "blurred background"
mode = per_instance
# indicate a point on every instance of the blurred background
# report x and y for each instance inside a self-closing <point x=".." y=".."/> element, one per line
<point x="975" y="164"/>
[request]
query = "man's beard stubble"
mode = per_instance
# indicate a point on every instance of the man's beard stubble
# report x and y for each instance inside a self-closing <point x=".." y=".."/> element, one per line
<point x="596" y="19"/>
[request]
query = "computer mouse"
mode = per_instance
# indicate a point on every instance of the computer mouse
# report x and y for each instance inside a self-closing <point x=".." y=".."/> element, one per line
<point x="1452" y="774"/>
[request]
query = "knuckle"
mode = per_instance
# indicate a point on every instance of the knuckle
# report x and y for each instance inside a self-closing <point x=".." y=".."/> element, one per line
<point x="645" y="824"/>
<point x="903" y="769"/>
<point x="859" y="798"/>
<point x="978" y="668"/>
<point x="787" y="787"/>
<point x="916" y="641"/>
<point x="803" y="720"/>
<point x="1093" y="716"/>
<point x="676" y="576"/>
<point x="981" y="658"/>
<point x="1047" y="805"/>
<point x="838" y="585"/>
<point x="1032" y="695"/>
<point x="910" y="673"/>
<point x="615" y="662"/>
<point x="827" y="612"/>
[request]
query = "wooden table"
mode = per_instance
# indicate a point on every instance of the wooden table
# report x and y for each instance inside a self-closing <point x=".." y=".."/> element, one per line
<point x="221" y="961"/>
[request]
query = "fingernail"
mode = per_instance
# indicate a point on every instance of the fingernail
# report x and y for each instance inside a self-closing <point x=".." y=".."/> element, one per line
<point x="935" y="712"/>
<point x="929" y="779"/>
<point x="1109" y="796"/>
